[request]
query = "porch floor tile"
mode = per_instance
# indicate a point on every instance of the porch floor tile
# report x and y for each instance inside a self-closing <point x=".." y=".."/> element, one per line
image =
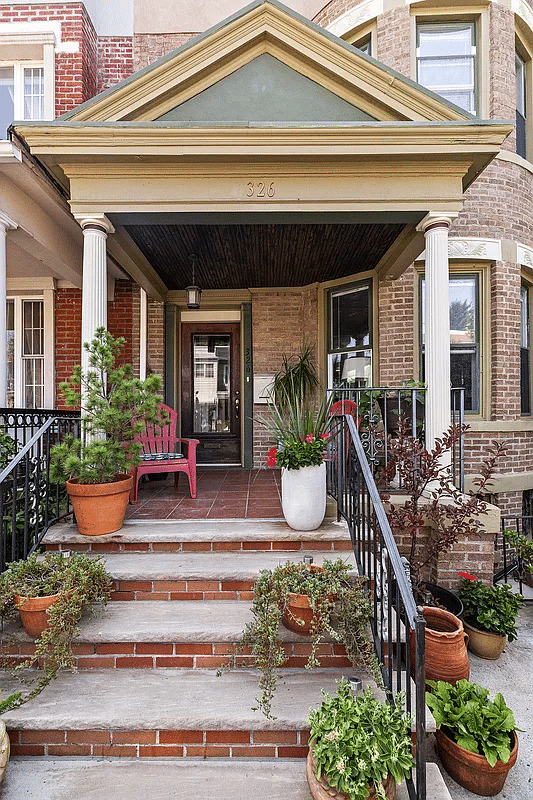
<point x="221" y="493"/>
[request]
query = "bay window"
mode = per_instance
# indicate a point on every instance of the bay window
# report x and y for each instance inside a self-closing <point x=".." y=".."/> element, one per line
<point x="350" y="336"/>
<point x="446" y="61"/>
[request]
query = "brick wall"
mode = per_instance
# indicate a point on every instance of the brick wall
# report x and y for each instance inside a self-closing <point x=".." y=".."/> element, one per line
<point x="332" y="10"/>
<point x="148" y="47"/>
<point x="396" y="345"/>
<point x="393" y="40"/>
<point x="156" y="339"/>
<point x="115" y="60"/>
<point x="502" y="67"/>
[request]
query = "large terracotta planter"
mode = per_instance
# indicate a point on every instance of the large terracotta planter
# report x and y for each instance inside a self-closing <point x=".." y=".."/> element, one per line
<point x="100" y="508"/>
<point x="298" y="616"/>
<point x="321" y="790"/>
<point x="471" y="770"/>
<point x="484" y="644"/>
<point x="446" y="653"/>
<point x="34" y="612"/>
<point x="303" y="497"/>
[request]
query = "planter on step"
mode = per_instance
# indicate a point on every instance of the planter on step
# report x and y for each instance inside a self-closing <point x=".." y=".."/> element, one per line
<point x="322" y="790"/>
<point x="4" y="749"/>
<point x="471" y="770"/>
<point x="34" y="612"/>
<point x="303" y="497"/>
<point x="445" y="643"/>
<point x="484" y="644"/>
<point x="100" y="508"/>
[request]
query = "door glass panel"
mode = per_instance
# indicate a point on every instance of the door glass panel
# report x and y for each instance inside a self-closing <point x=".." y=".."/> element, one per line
<point x="211" y="383"/>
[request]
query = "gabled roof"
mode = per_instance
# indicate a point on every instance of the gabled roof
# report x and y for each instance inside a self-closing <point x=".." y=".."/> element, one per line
<point x="264" y="38"/>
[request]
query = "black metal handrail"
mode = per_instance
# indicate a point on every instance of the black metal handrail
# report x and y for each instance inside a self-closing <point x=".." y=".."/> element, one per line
<point x="512" y="566"/>
<point x="397" y="626"/>
<point x="29" y="502"/>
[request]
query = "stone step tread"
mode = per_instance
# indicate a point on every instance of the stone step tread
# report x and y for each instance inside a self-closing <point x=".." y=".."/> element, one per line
<point x="234" y="566"/>
<point x="160" y="779"/>
<point x="168" y="531"/>
<point x="164" y="699"/>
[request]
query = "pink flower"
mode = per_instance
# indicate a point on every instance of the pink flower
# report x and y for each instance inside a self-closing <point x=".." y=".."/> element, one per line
<point x="467" y="576"/>
<point x="309" y="438"/>
<point x="324" y="436"/>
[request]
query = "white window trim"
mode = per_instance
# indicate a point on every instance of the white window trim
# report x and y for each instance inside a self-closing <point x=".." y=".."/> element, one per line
<point x="33" y="44"/>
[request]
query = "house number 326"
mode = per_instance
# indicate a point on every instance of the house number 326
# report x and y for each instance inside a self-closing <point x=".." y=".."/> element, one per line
<point x="260" y="189"/>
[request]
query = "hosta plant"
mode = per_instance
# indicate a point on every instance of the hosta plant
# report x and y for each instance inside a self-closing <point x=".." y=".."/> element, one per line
<point x="358" y="741"/>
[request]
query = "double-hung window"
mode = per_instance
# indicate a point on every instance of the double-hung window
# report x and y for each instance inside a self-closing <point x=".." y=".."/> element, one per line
<point x="25" y="353"/>
<point x="446" y="61"/>
<point x="521" y="105"/>
<point x="525" y="352"/>
<point x="22" y="93"/>
<point x="350" y="336"/>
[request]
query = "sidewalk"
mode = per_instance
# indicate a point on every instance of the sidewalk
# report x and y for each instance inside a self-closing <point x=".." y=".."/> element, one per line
<point x="512" y="675"/>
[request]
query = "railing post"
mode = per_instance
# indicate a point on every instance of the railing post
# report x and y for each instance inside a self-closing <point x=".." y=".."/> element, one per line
<point x="420" y="683"/>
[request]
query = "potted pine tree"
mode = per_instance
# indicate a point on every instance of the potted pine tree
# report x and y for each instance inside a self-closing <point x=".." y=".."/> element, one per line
<point x="115" y="407"/>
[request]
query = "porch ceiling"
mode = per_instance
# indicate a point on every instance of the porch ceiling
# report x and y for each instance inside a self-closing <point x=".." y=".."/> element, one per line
<point x="262" y="255"/>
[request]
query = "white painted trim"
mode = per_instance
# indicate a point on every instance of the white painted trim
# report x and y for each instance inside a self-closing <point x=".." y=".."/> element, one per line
<point x="214" y="315"/>
<point x="514" y="158"/>
<point x="49" y="349"/>
<point x="143" y="334"/>
<point x="365" y="11"/>
<point x="9" y="154"/>
<point x="30" y="284"/>
<point x="471" y="249"/>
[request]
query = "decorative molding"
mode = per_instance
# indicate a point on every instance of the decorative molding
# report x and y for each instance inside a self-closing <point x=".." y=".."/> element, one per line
<point x="440" y="218"/>
<point x="6" y="222"/>
<point x="472" y="249"/>
<point x="356" y="16"/>
<point x="524" y="255"/>
<point x="31" y="285"/>
<point x="94" y="221"/>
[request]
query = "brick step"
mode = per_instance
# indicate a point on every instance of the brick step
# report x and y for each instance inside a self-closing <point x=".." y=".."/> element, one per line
<point x="202" y="535"/>
<point x="139" y="779"/>
<point x="186" y="635"/>
<point x="167" y="713"/>
<point x="196" y="576"/>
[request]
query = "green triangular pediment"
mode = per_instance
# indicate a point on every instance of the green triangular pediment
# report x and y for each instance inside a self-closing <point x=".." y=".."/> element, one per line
<point x="266" y="90"/>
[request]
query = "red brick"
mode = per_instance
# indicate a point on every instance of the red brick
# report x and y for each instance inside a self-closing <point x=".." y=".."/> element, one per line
<point x="69" y="750"/>
<point x="149" y="648"/>
<point x="158" y="751"/>
<point x="134" y="662"/>
<point x="88" y="737"/>
<point x="115" y="647"/>
<point x="133" y="737"/>
<point x="227" y="737"/>
<point x="181" y="737"/>
<point x="42" y="736"/>
<point x="275" y="737"/>
<point x="293" y="752"/>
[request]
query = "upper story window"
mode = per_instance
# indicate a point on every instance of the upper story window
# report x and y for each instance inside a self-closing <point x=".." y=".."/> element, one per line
<point x="22" y="93"/>
<point x="349" y="336"/>
<point x="521" y="105"/>
<point x="525" y="352"/>
<point x="446" y="61"/>
<point x="364" y="45"/>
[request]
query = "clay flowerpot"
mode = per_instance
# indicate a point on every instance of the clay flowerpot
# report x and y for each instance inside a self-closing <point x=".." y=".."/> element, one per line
<point x="446" y="653"/>
<point x="299" y="611"/>
<point x="34" y="612"/>
<point x="484" y="644"/>
<point x="100" y="508"/>
<point x="471" y="770"/>
<point x="303" y="497"/>
<point x="321" y="790"/>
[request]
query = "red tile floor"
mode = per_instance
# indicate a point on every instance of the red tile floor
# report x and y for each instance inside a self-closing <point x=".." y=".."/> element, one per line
<point x="221" y="493"/>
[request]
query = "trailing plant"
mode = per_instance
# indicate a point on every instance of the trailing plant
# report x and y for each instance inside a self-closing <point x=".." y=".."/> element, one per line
<point x="436" y="514"/>
<point x="468" y="716"/>
<point x="115" y="407"/>
<point x="493" y="608"/>
<point x="341" y="609"/>
<point x="358" y="741"/>
<point x="79" y="581"/>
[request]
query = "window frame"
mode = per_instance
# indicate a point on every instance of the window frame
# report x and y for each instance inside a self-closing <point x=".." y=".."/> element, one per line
<point x="362" y="34"/>
<point x="528" y="287"/>
<point x="472" y="56"/>
<point x="18" y="87"/>
<point x="525" y="51"/>
<point x="46" y="298"/>
<point x="366" y="350"/>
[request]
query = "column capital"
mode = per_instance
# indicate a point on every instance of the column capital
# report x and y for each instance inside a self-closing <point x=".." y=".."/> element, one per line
<point x="6" y="222"/>
<point x="99" y="221"/>
<point x="436" y="219"/>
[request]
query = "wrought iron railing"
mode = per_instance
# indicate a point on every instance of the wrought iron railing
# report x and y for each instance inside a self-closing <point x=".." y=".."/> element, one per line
<point x="379" y="412"/>
<point x="397" y="626"/>
<point x="512" y="558"/>
<point x="29" y="502"/>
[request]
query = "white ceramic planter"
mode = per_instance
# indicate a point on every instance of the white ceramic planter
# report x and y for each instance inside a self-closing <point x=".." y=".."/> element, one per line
<point x="303" y="497"/>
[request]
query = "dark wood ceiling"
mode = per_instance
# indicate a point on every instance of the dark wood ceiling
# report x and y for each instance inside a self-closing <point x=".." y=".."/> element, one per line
<point x="242" y="256"/>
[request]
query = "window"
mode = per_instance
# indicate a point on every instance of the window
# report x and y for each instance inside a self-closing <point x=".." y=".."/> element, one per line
<point x="446" y="61"/>
<point x="521" y="106"/>
<point x="525" y="355"/>
<point x="25" y="353"/>
<point x="364" y="45"/>
<point x="349" y="336"/>
<point x="464" y="337"/>
<point x="21" y="93"/>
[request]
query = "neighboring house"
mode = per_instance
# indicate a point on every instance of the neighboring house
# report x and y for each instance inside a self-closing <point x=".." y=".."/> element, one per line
<point x="318" y="184"/>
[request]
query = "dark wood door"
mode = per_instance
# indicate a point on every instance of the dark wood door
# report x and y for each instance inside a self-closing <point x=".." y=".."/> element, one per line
<point x="211" y="384"/>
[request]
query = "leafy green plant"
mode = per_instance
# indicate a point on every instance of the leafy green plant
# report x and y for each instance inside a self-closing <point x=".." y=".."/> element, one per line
<point x="80" y="582"/>
<point x="523" y="548"/>
<point x="115" y="406"/>
<point x="468" y="716"/>
<point x="296" y="381"/>
<point x="341" y="609"/>
<point x="493" y="608"/>
<point x="358" y="741"/>
<point x="8" y="448"/>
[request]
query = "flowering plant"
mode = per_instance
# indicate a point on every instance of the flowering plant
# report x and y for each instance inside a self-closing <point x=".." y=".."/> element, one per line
<point x="294" y="453"/>
<point x="358" y="741"/>
<point x="493" y="608"/>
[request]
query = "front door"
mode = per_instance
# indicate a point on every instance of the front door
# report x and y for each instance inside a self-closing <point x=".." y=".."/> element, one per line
<point x="211" y="402"/>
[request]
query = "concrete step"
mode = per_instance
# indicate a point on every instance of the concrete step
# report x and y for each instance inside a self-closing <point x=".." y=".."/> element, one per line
<point x="198" y="535"/>
<point x="130" y="779"/>
<point x="198" y="576"/>
<point x="174" y="713"/>
<point x="187" y="635"/>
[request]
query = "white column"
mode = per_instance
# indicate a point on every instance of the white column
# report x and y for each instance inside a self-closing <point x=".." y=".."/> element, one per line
<point x="94" y="284"/>
<point x="437" y="327"/>
<point x="5" y="224"/>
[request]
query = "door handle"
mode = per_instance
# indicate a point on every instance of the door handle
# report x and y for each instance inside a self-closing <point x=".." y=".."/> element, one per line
<point x="237" y="407"/>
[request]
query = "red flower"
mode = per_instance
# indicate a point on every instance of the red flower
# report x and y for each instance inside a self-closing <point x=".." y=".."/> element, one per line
<point x="272" y="453"/>
<point x="271" y="462"/>
<point x="467" y="576"/>
<point x="309" y="438"/>
<point x="324" y="436"/>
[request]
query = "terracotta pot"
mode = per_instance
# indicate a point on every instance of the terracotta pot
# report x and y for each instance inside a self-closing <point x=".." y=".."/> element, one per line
<point x="471" y="770"/>
<point x="484" y="644"/>
<point x="34" y="612"/>
<point x="298" y="608"/>
<point x="4" y="749"/>
<point x="446" y="653"/>
<point x="100" y="508"/>
<point x="303" y="497"/>
<point x="321" y="790"/>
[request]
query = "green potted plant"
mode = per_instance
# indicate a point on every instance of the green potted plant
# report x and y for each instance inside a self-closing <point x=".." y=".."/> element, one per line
<point x="301" y="428"/>
<point x="523" y="550"/>
<point x="476" y="737"/>
<point x="115" y="407"/>
<point x="358" y="746"/>
<point x="49" y="593"/>
<point x="490" y="614"/>
<point x="325" y="602"/>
